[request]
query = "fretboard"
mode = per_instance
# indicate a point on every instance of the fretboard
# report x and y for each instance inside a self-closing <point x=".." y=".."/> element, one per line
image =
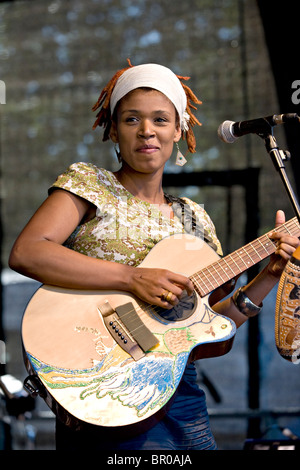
<point x="225" y="269"/>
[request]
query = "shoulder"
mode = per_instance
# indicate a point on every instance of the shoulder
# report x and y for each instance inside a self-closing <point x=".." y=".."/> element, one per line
<point x="81" y="176"/>
<point x="81" y="171"/>
<point x="85" y="180"/>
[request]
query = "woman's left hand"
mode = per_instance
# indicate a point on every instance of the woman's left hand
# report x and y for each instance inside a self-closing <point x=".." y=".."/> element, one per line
<point x="286" y="245"/>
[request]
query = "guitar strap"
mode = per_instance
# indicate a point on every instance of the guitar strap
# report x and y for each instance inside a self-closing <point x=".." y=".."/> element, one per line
<point x="189" y="221"/>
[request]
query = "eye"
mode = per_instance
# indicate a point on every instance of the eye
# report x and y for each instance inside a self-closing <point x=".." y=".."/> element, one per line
<point x="131" y="119"/>
<point x="161" y="120"/>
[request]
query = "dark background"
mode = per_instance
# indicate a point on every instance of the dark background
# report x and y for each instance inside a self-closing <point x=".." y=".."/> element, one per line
<point x="241" y="55"/>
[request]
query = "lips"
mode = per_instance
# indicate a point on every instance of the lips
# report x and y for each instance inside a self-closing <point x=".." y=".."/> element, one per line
<point x="147" y="148"/>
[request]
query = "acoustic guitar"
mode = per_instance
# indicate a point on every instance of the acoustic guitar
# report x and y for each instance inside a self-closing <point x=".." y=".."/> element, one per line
<point x="105" y="358"/>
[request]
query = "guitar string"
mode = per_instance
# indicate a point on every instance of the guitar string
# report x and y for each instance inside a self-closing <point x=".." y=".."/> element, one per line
<point x="264" y="243"/>
<point x="269" y="243"/>
<point x="267" y="246"/>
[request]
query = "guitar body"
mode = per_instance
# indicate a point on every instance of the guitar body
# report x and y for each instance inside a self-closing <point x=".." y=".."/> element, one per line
<point x="87" y="378"/>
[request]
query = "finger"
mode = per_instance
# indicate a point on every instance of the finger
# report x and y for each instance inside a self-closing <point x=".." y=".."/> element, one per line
<point x="183" y="282"/>
<point x="285" y="250"/>
<point x="284" y="238"/>
<point x="168" y="300"/>
<point x="279" y="218"/>
<point x="285" y="241"/>
<point x="171" y="294"/>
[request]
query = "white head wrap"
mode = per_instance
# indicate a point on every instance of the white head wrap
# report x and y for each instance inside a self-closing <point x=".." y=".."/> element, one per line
<point x="157" y="77"/>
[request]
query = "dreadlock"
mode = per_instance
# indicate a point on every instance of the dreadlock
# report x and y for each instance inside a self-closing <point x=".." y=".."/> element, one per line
<point x="103" y="118"/>
<point x="189" y="134"/>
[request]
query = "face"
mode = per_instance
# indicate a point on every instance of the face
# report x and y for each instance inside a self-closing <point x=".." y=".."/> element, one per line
<point x="146" y="129"/>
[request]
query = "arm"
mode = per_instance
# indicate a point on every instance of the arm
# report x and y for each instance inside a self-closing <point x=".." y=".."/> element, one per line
<point x="264" y="282"/>
<point x="39" y="253"/>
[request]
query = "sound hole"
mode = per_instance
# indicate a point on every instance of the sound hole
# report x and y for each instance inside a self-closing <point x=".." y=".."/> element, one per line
<point x="182" y="311"/>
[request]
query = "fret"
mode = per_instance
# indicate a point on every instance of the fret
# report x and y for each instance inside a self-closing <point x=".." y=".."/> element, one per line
<point x="243" y="251"/>
<point x="293" y="230"/>
<point x="218" y="271"/>
<point x="227" y="266"/>
<point x="267" y="244"/>
<point x="240" y="260"/>
<point x="196" y="284"/>
<point x="205" y="287"/>
<point x="231" y="258"/>
<point x="212" y="275"/>
<point x="256" y="252"/>
<point x="259" y="248"/>
<point x="204" y="272"/>
<point x="287" y="230"/>
<point x="219" y="262"/>
<point x="294" y="221"/>
<point x="234" y="263"/>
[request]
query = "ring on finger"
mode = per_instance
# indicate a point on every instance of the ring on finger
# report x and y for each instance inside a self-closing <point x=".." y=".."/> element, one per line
<point x="167" y="296"/>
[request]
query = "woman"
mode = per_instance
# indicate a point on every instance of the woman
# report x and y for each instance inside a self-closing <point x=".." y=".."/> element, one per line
<point x="107" y="220"/>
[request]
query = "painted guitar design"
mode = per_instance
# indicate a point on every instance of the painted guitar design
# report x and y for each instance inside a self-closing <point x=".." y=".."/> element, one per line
<point x="108" y="359"/>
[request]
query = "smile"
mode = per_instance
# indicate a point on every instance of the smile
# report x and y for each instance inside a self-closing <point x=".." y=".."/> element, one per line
<point x="147" y="149"/>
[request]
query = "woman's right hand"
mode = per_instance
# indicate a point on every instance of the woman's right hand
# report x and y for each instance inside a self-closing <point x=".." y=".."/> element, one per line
<point x="160" y="287"/>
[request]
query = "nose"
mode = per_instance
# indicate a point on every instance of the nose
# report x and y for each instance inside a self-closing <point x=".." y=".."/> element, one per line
<point x="146" y="129"/>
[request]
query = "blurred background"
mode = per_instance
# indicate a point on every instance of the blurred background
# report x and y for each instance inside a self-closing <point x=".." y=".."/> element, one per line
<point x="55" y="57"/>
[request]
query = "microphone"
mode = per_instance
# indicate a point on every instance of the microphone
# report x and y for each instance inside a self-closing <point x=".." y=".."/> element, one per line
<point x="230" y="131"/>
<point x="287" y="313"/>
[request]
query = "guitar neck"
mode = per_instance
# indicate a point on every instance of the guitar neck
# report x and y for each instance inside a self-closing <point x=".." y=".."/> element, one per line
<point x="227" y="268"/>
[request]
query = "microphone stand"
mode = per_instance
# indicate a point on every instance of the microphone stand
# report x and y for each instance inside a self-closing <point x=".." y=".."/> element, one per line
<point x="278" y="157"/>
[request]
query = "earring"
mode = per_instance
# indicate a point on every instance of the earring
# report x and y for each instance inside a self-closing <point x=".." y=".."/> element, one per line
<point x="117" y="150"/>
<point x="180" y="159"/>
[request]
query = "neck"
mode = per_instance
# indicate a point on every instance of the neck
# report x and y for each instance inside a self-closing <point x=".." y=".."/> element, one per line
<point x="147" y="187"/>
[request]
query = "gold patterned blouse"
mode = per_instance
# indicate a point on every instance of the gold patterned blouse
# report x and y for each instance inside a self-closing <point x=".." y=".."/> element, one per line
<point x="125" y="228"/>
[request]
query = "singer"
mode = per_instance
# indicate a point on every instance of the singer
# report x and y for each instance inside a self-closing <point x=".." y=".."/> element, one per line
<point x="72" y="241"/>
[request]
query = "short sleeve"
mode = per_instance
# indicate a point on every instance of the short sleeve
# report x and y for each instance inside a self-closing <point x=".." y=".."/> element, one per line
<point x="81" y="179"/>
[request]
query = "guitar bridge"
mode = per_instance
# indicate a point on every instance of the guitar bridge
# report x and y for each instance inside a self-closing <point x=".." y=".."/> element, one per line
<point x="127" y="329"/>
